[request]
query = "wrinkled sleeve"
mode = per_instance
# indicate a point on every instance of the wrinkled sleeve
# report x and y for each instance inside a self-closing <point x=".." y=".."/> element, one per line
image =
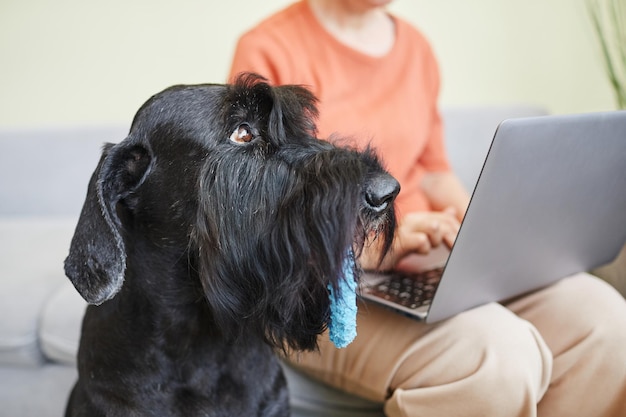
<point x="434" y="158"/>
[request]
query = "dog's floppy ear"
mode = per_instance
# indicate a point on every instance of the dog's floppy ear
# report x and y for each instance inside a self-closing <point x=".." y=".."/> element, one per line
<point x="97" y="257"/>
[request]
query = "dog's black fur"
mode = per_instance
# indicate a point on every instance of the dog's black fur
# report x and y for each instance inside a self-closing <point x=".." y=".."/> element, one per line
<point x="207" y="241"/>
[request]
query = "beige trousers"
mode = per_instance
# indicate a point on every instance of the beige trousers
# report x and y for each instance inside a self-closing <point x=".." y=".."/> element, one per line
<point x="560" y="351"/>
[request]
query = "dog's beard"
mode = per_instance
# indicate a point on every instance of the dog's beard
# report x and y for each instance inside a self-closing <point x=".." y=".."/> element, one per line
<point x="266" y="266"/>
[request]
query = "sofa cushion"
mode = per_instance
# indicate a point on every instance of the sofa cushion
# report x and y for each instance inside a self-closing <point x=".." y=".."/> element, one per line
<point x="64" y="158"/>
<point x="60" y="322"/>
<point x="310" y="398"/>
<point x="31" y="255"/>
<point x="469" y="131"/>
<point x="40" y="392"/>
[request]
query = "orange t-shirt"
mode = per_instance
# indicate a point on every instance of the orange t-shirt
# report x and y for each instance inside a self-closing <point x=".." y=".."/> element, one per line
<point x="389" y="102"/>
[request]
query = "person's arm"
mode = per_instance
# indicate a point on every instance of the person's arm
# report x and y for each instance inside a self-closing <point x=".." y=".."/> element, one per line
<point x="445" y="191"/>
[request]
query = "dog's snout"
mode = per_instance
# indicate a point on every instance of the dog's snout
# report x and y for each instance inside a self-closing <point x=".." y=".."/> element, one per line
<point x="381" y="191"/>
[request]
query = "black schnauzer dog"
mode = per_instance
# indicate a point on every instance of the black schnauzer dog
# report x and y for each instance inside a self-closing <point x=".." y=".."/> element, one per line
<point x="209" y="241"/>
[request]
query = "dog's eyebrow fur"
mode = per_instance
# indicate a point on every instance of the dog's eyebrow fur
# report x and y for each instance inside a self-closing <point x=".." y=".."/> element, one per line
<point x="286" y="111"/>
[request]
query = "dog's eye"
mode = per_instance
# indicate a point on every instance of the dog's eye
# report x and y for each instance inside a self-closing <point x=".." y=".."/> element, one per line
<point x="243" y="134"/>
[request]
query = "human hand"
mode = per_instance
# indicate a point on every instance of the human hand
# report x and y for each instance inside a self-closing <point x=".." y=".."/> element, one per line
<point x="417" y="233"/>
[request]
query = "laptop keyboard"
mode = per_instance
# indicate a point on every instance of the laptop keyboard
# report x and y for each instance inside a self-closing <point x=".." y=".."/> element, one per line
<point x="408" y="290"/>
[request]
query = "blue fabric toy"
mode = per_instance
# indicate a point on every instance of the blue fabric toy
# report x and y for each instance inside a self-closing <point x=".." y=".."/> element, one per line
<point x="342" y="326"/>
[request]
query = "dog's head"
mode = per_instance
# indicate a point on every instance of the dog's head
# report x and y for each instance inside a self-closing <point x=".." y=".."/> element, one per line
<point x="231" y="181"/>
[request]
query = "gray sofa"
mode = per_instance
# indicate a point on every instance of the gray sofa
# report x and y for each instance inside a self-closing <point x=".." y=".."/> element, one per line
<point x="43" y="178"/>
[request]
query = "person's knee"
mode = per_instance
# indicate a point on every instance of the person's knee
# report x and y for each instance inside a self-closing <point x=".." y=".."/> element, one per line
<point x="583" y="320"/>
<point x="587" y="295"/>
<point x="602" y="317"/>
<point x="595" y="310"/>
<point x="493" y="361"/>
<point x="515" y="358"/>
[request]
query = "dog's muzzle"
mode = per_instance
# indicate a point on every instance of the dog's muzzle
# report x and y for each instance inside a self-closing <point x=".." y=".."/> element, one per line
<point x="381" y="191"/>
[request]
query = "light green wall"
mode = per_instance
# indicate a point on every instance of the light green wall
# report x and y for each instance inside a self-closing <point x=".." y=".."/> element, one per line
<point x="493" y="51"/>
<point x="85" y="61"/>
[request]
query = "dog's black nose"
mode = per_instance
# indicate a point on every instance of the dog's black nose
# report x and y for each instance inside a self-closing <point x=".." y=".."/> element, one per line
<point x="381" y="191"/>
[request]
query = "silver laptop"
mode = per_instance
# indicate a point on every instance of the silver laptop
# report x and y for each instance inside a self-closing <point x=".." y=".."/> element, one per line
<point x="550" y="202"/>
